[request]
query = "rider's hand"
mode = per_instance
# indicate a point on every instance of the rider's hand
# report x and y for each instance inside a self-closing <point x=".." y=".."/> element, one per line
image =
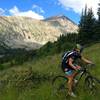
<point x="78" y="67"/>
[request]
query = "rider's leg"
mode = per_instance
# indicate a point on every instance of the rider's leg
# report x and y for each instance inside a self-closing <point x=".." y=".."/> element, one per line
<point x="75" y="79"/>
<point x="70" y="77"/>
<point x="70" y="83"/>
<point x="76" y="76"/>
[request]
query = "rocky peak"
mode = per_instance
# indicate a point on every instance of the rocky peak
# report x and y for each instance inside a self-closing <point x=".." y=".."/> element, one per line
<point x="56" y="17"/>
<point x="22" y="32"/>
<point x="59" y="17"/>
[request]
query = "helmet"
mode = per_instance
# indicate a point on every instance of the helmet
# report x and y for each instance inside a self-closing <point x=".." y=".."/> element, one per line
<point x="80" y="47"/>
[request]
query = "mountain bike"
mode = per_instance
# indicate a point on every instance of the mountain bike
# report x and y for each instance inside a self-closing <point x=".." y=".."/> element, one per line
<point x="59" y="82"/>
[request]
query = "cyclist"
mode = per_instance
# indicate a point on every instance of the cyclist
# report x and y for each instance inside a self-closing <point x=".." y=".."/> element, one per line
<point x="70" y="68"/>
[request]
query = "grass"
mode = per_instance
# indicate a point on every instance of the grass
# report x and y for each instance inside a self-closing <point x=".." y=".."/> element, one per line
<point x="43" y="70"/>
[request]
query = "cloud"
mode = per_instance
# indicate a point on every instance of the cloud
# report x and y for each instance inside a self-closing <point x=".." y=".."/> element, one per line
<point x="38" y="9"/>
<point x="2" y="11"/>
<point x="16" y="12"/>
<point x="78" y="5"/>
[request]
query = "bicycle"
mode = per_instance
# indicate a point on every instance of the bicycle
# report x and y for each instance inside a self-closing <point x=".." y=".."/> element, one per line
<point x="60" y="82"/>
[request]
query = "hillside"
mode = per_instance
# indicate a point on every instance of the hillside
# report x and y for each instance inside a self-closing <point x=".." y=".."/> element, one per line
<point x="24" y="32"/>
<point x="32" y="80"/>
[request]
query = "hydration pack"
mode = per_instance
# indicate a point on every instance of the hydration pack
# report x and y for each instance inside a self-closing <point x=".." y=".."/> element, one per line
<point x="66" y="55"/>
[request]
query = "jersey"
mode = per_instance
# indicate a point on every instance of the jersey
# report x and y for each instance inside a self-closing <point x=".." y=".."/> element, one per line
<point x="69" y="54"/>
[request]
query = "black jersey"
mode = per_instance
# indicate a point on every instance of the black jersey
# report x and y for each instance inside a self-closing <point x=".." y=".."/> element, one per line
<point x="70" y="54"/>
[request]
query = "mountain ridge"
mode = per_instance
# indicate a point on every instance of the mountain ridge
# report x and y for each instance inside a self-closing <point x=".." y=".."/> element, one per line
<point x="59" y="16"/>
<point x="21" y="32"/>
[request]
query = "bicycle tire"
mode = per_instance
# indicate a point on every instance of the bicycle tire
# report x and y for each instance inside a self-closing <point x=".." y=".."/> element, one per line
<point x="91" y="84"/>
<point x="59" y="84"/>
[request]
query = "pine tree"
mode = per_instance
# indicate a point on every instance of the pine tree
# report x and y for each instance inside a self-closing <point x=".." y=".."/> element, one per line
<point x="86" y="25"/>
<point x="98" y="12"/>
<point x="82" y="24"/>
<point x="97" y="26"/>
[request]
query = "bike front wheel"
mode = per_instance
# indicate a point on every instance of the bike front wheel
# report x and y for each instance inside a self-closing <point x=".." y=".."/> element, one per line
<point x="92" y="84"/>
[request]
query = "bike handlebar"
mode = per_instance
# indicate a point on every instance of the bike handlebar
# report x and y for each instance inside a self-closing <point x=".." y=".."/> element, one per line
<point x="84" y="69"/>
<point x="91" y="65"/>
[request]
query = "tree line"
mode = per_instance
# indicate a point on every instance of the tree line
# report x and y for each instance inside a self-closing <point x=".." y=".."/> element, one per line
<point x="89" y="32"/>
<point x="89" y="26"/>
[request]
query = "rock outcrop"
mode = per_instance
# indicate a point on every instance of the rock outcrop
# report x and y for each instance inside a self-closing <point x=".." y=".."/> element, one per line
<point x="24" y="32"/>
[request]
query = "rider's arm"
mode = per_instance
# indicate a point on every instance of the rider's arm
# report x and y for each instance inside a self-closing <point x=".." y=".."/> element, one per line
<point x="87" y="61"/>
<point x="70" y="62"/>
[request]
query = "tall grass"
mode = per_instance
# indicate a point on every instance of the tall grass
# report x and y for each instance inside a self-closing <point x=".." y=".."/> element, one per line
<point x="42" y="71"/>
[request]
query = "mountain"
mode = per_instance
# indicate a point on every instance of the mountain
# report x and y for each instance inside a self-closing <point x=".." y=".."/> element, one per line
<point x="29" y="33"/>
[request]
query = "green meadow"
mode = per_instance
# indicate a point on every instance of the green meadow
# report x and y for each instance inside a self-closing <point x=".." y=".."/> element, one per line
<point x="32" y="80"/>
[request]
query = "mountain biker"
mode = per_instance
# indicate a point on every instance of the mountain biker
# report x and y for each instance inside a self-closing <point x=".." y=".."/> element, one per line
<point x="70" y="68"/>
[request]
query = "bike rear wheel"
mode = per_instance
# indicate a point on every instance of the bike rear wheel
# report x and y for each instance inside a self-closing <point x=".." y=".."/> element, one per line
<point x="60" y="86"/>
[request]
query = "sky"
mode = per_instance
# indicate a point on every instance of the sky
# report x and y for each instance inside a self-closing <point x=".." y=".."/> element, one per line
<point x="41" y="9"/>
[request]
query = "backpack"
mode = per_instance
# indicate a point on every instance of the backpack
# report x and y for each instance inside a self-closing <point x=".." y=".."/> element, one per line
<point x="66" y="55"/>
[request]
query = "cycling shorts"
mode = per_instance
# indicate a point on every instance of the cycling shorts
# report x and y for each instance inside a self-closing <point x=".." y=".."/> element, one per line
<point x="69" y="72"/>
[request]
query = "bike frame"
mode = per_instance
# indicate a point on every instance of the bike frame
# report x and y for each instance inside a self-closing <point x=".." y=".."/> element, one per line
<point x="86" y="73"/>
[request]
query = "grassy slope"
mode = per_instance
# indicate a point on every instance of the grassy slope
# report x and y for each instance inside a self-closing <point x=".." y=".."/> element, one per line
<point x="48" y="66"/>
